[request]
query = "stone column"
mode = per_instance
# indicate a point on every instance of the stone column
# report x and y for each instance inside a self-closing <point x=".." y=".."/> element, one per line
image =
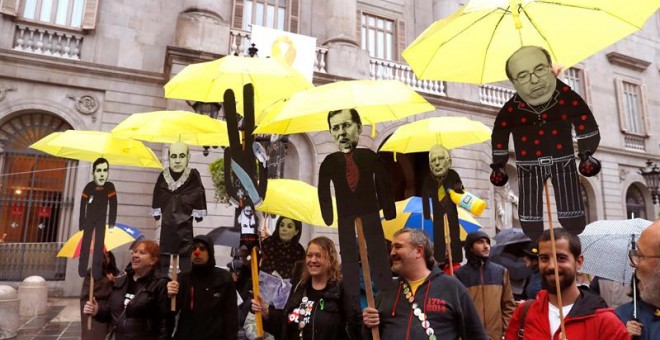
<point x="345" y="58"/>
<point x="8" y="312"/>
<point x="33" y="293"/>
<point x="200" y="26"/>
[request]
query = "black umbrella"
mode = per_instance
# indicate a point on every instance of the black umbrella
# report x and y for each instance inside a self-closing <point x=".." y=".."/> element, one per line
<point x="226" y="236"/>
<point x="512" y="262"/>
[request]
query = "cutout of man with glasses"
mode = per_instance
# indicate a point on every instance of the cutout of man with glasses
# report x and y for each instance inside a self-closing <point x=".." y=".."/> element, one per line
<point x="540" y="116"/>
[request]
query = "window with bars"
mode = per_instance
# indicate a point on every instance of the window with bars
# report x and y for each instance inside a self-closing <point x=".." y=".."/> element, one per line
<point x="632" y="108"/>
<point x="378" y="36"/>
<point x="276" y="14"/>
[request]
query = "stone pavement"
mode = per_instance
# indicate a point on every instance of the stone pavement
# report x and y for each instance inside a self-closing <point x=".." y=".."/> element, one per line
<point x="61" y="321"/>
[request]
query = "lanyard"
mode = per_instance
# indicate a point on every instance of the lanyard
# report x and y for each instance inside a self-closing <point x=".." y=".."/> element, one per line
<point x="407" y="291"/>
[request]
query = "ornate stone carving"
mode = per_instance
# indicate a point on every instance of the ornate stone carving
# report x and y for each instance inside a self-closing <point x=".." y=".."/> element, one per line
<point x="623" y="173"/>
<point x="86" y="104"/>
<point x="4" y="90"/>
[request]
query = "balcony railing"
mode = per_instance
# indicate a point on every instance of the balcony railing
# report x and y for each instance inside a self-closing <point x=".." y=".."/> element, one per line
<point x="383" y="69"/>
<point x="47" y="42"/>
<point x="20" y="260"/>
<point x="240" y="42"/>
<point x="494" y="95"/>
<point x="635" y="143"/>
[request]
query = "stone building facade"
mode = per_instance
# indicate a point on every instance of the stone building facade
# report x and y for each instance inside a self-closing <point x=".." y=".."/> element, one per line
<point x="89" y="64"/>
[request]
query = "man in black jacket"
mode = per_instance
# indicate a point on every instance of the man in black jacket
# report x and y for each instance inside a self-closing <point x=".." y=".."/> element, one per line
<point x="206" y="297"/>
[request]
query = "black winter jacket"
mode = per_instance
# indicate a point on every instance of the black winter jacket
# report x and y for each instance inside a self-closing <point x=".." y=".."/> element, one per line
<point x="207" y="301"/>
<point x="337" y="319"/>
<point x="444" y="300"/>
<point x="147" y="316"/>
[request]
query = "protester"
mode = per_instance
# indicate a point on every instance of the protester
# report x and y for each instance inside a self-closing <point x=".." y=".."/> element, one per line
<point x="318" y="306"/>
<point x="533" y="283"/>
<point x="646" y="260"/>
<point x="206" y="297"/>
<point x="281" y="250"/>
<point x="422" y="292"/>
<point x="488" y="284"/>
<point x="102" y="290"/>
<point x="139" y="307"/>
<point x="586" y="315"/>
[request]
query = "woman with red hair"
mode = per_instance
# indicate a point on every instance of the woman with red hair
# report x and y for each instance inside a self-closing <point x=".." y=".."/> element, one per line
<point x="139" y="307"/>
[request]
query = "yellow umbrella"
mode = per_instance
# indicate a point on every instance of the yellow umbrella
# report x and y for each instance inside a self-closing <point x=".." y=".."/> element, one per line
<point x="119" y="235"/>
<point x="473" y="44"/>
<point x="294" y="199"/>
<point x="174" y="126"/>
<point x="207" y="82"/>
<point x="451" y="132"/>
<point x="90" y="145"/>
<point x="376" y="101"/>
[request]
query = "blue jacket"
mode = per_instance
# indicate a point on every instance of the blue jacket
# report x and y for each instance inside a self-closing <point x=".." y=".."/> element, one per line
<point x="645" y="315"/>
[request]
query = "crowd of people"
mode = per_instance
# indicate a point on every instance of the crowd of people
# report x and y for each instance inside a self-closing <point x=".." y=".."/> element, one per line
<point x="423" y="303"/>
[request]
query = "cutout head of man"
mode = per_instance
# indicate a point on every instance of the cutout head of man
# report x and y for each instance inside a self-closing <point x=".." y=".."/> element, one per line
<point x="439" y="161"/>
<point x="179" y="157"/>
<point x="345" y="126"/>
<point x="530" y="72"/>
<point x="100" y="171"/>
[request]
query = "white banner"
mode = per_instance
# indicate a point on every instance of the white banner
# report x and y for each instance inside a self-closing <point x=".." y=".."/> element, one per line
<point x="297" y="50"/>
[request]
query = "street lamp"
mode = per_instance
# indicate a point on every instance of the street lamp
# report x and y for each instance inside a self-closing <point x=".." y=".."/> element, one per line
<point x="210" y="109"/>
<point x="651" y="174"/>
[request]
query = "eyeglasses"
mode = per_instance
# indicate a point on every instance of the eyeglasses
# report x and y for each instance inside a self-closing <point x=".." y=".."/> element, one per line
<point x="539" y="71"/>
<point x="634" y="256"/>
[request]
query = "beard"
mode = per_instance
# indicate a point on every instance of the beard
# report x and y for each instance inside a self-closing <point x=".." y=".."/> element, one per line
<point x="565" y="281"/>
<point x="649" y="288"/>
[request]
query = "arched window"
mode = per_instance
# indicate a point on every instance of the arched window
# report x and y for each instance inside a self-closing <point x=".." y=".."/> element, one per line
<point x="635" y="204"/>
<point x="34" y="199"/>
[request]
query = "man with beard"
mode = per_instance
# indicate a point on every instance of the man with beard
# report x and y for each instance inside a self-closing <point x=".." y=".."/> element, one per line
<point x="206" y="297"/>
<point x="586" y="315"/>
<point x="425" y="303"/>
<point x="646" y="259"/>
<point x="488" y="284"/>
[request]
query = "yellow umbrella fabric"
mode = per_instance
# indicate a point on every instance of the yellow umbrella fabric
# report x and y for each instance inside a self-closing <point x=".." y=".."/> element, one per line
<point x="114" y="238"/>
<point x="451" y="132"/>
<point x="473" y="44"/>
<point x="89" y="145"/>
<point x="174" y="126"/>
<point x="294" y="199"/>
<point x="207" y="82"/>
<point x="375" y="100"/>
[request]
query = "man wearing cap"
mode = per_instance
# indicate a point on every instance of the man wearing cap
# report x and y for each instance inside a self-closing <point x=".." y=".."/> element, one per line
<point x="488" y="284"/>
<point x="206" y="297"/>
<point x="533" y="283"/>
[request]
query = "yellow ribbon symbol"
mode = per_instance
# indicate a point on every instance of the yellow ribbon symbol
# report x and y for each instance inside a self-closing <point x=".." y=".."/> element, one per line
<point x="276" y="51"/>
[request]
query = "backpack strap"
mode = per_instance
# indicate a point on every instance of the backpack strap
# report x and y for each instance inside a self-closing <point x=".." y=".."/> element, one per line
<point x="521" y="326"/>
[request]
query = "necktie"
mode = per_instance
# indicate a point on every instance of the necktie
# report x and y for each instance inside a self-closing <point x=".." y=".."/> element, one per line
<point x="352" y="172"/>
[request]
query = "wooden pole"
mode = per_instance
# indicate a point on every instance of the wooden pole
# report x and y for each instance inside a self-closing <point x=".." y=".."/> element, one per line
<point x="91" y="296"/>
<point x="255" y="289"/>
<point x="174" y="261"/>
<point x="448" y="244"/>
<point x="554" y="258"/>
<point x="366" y="272"/>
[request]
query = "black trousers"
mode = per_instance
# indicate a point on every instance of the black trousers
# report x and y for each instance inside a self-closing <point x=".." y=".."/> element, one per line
<point x="563" y="174"/>
<point x="379" y="262"/>
<point x="98" y="229"/>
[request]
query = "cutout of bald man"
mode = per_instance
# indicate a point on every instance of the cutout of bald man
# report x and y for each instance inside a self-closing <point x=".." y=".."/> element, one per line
<point x="179" y="197"/>
<point x="540" y="116"/>
<point x="437" y="185"/>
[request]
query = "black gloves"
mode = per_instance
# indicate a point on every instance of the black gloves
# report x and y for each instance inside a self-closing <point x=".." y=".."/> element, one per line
<point x="589" y="166"/>
<point x="498" y="177"/>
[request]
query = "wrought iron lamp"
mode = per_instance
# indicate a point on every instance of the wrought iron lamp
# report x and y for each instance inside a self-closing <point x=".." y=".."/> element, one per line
<point x="651" y="174"/>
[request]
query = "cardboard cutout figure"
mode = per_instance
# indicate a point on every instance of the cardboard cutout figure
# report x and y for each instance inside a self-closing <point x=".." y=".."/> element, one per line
<point x="241" y="163"/>
<point x="441" y="179"/>
<point x="179" y="197"/>
<point x="281" y="251"/>
<point x="541" y="116"/>
<point x="98" y="207"/>
<point x="361" y="189"/>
